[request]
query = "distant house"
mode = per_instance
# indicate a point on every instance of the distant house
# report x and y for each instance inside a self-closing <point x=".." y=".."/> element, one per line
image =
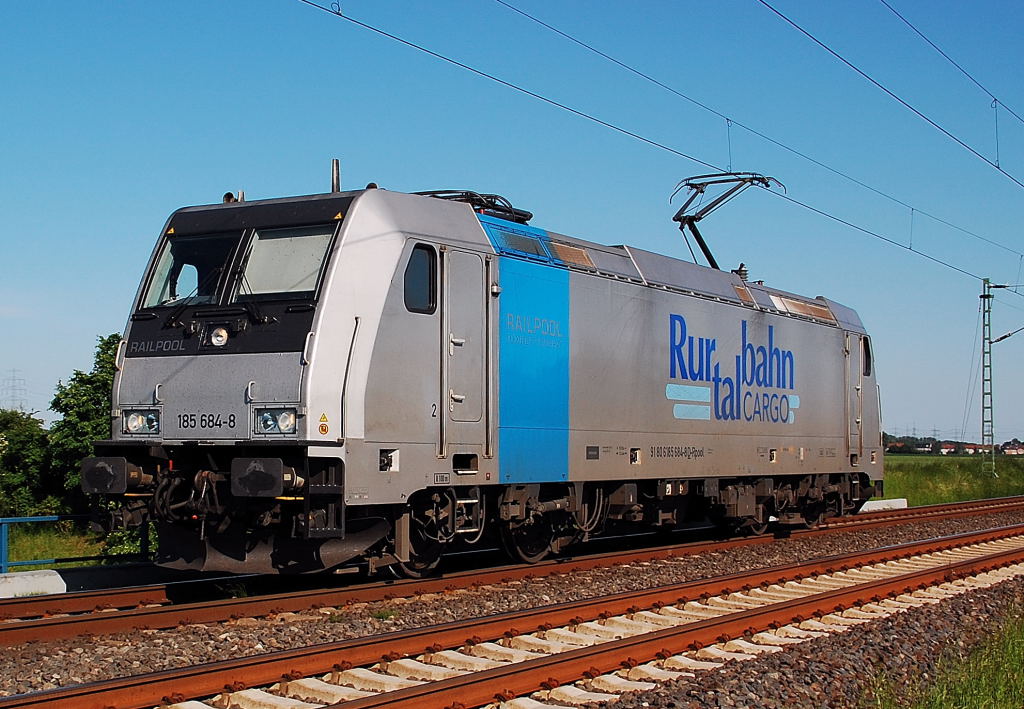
<point x="1014" y="449"/>
<point x="947" y="449"/>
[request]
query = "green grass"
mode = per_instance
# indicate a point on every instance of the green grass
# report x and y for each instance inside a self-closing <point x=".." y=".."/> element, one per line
<point x="934" y="479"/>
<point x="49" y="540"/>
<point x="991" y="677"/>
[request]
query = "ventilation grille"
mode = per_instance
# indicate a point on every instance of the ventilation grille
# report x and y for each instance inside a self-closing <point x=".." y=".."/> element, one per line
<point x="744" y="294"/>
<point x="799" y="307"/>
<point x="570" y="254"/>
<point x="522" y="244"/>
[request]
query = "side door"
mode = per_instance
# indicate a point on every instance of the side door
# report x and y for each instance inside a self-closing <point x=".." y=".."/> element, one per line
<point x="854" y="396"/>
<point x="464" y="349"/>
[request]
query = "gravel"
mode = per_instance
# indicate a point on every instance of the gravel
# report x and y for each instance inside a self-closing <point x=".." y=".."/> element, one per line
<point x="841" y="670"/>
<point x="46" y="665"/>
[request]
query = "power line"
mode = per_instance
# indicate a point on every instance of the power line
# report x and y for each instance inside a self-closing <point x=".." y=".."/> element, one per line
<point x="1008" y="305"/>
<point x="876" y="235"/>
<point x="509" y="84"/>
<point x="972" y="380"/>
<point x="891" y="94"/>
<point x="730" y="121"/>
<point x="995" y="99"/>
<point x="337" y="13"/>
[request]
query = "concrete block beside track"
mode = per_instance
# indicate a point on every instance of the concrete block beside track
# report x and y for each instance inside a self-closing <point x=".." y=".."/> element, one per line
<point x="899" y="503"/>
<point x="31" y="583"/>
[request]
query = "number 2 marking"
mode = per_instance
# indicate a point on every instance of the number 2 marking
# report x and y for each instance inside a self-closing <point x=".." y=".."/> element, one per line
<point x="433" y="411"/>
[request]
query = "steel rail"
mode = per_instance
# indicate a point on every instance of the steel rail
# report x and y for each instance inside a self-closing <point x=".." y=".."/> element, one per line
<point x="169" y="616"/>
<point x="82" y="602"/>
<point x="504" y="683"/>
<point x="967" y="508"/>
<point x="151" y="689"/>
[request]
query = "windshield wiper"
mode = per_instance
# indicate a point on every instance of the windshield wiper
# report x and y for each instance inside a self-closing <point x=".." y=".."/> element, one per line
<point x="250" y="305"/>
<point x="173" y="318"/>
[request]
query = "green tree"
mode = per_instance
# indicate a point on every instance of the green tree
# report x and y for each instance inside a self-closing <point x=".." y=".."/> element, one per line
<point x="84" y="404"/>
<point x="27" y="486"/>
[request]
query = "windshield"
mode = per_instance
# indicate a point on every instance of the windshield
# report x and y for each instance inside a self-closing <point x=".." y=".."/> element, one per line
<point x="188" y="269"/>
<point x="283" y="263"/>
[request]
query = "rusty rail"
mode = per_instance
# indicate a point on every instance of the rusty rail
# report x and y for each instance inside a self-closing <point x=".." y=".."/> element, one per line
<point x="204" y="680"/>
<point x="967" y="508"/>
<point x="82" y="602"/>
<point x="517" y="679"/>
<point x="168" y="616"/>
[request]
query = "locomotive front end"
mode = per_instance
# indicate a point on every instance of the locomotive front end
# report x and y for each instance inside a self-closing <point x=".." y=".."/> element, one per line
<point x="211" y="428"/>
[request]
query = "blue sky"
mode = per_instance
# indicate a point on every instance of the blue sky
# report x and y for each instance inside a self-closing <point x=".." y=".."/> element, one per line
<point x="114" y="114"/>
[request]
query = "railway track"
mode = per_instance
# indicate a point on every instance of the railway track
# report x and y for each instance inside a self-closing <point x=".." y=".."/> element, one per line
<point x="580" y="651"/>
<point x="148" y="607"/>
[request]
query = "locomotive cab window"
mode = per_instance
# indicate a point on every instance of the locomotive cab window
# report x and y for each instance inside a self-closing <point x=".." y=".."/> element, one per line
<point x="865" y="344"/>
<point x="421" y="280"/>
<point x="284" y="263"/>
<point x="189" y="269"/>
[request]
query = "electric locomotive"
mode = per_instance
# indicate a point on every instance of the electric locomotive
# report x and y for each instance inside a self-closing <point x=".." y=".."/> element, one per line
<point x="373" y="377"/>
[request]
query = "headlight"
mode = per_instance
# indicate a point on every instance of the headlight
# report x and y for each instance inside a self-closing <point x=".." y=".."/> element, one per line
<point x="286" y="421"/>
<point x="219" y="337"/>
<point x="268" y="424"/>
<point x="275" y="420"/>
<point x="141" y="421"/>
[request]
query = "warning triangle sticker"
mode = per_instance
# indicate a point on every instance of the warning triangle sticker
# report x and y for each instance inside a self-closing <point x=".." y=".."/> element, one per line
<point x="338" y="216"/>
<point x="171" y="230"/>
<point x="323" y="418"/>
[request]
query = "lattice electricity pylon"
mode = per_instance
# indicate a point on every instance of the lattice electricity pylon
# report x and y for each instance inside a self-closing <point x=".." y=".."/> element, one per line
<point x="13" y="392"/>
<point x="988" y="462"/>
<point x="988" y="444"/>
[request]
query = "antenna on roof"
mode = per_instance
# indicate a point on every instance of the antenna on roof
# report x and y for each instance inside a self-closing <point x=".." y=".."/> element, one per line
<point x="697" y="186"/>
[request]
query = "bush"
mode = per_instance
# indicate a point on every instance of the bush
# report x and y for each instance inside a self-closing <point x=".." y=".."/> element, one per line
<point x="27" y="482"/>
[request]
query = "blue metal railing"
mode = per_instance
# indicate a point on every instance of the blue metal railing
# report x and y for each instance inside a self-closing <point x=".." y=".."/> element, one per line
<point x="6" y="564"/>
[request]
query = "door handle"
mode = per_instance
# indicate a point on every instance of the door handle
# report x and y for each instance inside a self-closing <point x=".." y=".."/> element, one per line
<point x="306" y="349"/>
<point x="456" y="398"/>
<point x="454" y="342"/>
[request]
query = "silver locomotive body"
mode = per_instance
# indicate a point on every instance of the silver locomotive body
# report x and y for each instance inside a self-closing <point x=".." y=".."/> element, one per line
<point x="377" y="376"/>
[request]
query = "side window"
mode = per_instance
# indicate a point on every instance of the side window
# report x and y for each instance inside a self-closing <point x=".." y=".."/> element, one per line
<point x="421" y="280"/>
<point x="865" y="344"/>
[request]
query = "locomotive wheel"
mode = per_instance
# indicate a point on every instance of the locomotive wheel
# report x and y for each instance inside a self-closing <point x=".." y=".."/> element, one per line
<point x="422" y="562"/>
<point x="817" y="512"/>
<point x="528" y="542"/>
<point x="425" y="537"/>
<point x="754" y="528"/>
<point x="813" y="514"/>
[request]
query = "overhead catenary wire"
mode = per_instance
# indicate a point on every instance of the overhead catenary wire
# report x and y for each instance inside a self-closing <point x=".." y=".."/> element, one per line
<point x="334" y="11"/>
<point x="950" y="59"/>
<point x="731" y="121"/>
<point x="892" y="94"/>
<point x="973" y="379"/>
<point x="1009" y="305"/>
<point x="509" y="84"/>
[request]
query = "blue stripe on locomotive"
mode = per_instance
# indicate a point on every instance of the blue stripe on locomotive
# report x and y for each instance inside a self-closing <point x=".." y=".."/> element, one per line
<point x="533" y="365"/>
